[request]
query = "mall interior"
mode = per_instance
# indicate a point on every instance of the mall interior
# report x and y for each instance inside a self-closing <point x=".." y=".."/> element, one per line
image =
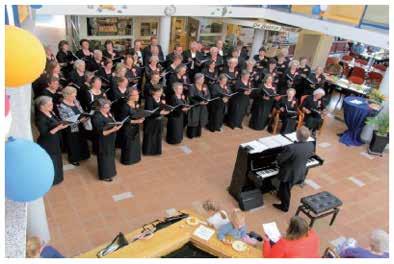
<point x="168" y="202"/>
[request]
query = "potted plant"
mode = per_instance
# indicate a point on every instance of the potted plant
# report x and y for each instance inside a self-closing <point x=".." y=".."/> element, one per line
<point x="375" y="96"/>
<point x="380" y="137"/>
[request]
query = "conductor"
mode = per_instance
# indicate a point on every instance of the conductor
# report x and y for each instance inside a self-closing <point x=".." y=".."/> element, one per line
<point x="292" y="166"/>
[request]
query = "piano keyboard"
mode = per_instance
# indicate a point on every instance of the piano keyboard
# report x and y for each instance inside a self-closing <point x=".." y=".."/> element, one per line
<point x="274" y="171"/>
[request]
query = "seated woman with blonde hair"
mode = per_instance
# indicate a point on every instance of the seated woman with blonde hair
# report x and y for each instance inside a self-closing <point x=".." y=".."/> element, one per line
<point x="236" y="229"/>
<point x="37" y="249"/>
<point x="217" y="217"/>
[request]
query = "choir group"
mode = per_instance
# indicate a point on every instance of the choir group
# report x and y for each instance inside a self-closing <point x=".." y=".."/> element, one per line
<point x="105" y="97"/>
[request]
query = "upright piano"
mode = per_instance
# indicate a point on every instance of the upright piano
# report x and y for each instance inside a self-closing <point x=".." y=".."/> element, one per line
<point x="256" y="163"/>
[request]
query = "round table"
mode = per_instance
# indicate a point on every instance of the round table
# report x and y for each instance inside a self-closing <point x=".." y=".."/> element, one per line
<point x="356" y="110"/>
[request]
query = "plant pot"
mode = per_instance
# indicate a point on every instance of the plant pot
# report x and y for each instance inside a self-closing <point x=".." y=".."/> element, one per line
<point x="378" y="144"/>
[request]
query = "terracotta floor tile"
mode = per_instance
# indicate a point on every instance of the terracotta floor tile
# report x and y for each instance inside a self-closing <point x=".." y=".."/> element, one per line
<point x="82" y="214"/>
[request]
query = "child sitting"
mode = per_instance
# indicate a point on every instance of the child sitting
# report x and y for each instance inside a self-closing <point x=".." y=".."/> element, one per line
<point x="236" y="228"/>
<point x="217" y="217"/>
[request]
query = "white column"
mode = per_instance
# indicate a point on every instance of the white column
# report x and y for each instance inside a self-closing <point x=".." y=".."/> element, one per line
<point x="384" y="88"/>
<point x="257" y="41"/>
<point x="165" y="33"/>
<point x="37" y="224"/>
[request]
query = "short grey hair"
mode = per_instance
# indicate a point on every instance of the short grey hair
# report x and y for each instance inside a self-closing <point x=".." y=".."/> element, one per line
<point x="232" y="60"/>
<point x="42" y="100"/>
<point x="176" y="84"/>
<point x="294" y="62"/>
<point x="291" y="90"/>
<point x="97" y="52"/>
<point x="68" y="90"/>
<point x="379" y="240"/>
<point x="251" y="62"/>
<point x="198" y="76"/>
<point x="319" y="91"/>
<point x="154" y="58"/>
<point x="303" y="134"/>
<point x="77" y="63"/>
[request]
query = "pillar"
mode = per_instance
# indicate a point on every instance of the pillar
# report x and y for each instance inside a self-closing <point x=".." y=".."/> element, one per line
<point x="314" y="46"/>
<point x="165" y="33"/>
<point x="384" y="88"/>
<point x="257" y="41"/>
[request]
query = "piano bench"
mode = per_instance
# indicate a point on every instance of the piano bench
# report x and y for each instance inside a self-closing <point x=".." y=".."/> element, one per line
<point x="319" y="205"/>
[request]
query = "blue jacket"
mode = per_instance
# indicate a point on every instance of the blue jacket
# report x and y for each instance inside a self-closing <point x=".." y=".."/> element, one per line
<point x="228" y="229"/>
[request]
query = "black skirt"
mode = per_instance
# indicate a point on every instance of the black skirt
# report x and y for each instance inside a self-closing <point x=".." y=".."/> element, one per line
<point x="260" y="113"/>
<point x="193" y="132"/>
<point x="131" y="145"/>
<point x="216" y="115"/>
<point x="175" y="127"/>
<point x="288" y="124"/>
<point x="237" y="109"/>
<point x="77" y="146"/>
<point x="58" y="168"/>
<point x="153" y="129"/>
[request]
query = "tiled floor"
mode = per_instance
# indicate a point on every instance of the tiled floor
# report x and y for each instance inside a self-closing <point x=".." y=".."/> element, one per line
<point x="82" y="213"/>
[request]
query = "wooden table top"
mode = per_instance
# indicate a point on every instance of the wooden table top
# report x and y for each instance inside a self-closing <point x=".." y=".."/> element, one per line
<point x="171" y="238"/>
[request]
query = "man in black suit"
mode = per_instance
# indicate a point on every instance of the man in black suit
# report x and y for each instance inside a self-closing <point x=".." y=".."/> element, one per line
<point x="292" y="166"/>
<point x="138" y="52"/>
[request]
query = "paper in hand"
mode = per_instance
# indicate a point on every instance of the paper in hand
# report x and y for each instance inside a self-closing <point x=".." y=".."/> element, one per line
<point x="272" y="231"/>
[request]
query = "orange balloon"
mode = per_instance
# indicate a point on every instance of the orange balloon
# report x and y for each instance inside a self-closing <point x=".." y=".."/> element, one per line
<point x="24" y="57"/>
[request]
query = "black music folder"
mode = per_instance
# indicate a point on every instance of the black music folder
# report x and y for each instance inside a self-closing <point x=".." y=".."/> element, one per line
<point x="289" y="77"/>
<point x="270" y="92"/>
<point x="116" y="123"/>
<point x="229" y="94"/>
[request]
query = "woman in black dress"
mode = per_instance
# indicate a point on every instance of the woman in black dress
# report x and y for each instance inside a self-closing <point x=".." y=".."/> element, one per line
<point x="272" y="71"/>
<point x="84" y="53"/>
<point x="153" y="125"/>
<point x="152" y="67"/>
<point x="48" y="126"/>
<point x="211" y="73"/>
<point x="314" y="80"/>
<point x="218" y="108"/>
<point x="132" y="73"/>
<point x="197" y="117"/>
<point x="239" y="103"/>
<point x="109" y="52"/>
<point x="106" y="73"/>
<point x="303" y="71"/>
<point x="262" y="104"/>
<point x="254" y="73"/>
<point x="261" y="59"/>
<point x="76" y="143"/>
<point x="291" y="78"/>
<point x="288" y="112"/>
<point x="131" y="144"/>
<point x="231" y="71"/>
<point x="77" y="76"/>
<point x="314" y="109"/>
<point x="148" y="87"/>
<point x="118" y="95"/>
<point x="106" y="140"/>
<point x="178" y="76"/>
<point x="65" y="58"/>
<point x="175" y="124"/>
<point x="53" y="91"/>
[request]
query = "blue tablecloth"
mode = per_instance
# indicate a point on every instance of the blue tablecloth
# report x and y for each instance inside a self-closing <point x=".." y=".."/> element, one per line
<point x="355" y="110"/>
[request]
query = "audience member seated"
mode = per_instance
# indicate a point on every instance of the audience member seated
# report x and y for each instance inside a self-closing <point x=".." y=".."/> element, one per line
<point x="37" y="249"/>
<point x="379" y="247"/>
<point x="217" y="217"/>
<point x="299" y="242"/>
<point x="236" y="229"/>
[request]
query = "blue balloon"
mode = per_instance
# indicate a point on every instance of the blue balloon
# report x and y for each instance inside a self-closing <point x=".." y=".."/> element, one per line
<point x="316" y="10"/>
<point x="29" y="170"/>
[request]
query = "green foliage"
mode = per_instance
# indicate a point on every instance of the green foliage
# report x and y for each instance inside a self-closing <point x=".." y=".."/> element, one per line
<point x="376" y="96"/>
<point x="381" y="123"/>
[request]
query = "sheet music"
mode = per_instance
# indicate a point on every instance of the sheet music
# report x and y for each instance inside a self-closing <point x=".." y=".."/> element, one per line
<point x="269" y="142"/>
<point x="293" y="137"/>
<point x="272" y="231"/>
<point x="204" y="232"/>
<point x="281" y="140"/>
<point x="256" y="146"/>
<point x="72" y="119"/>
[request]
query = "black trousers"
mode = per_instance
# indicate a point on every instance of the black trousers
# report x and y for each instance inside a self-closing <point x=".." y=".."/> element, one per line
<point x="284" y="194"/>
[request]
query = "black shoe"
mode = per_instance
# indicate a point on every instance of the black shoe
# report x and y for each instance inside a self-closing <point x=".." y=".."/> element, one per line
<point x="107" y="179"/>
<point x="339" y="134"/>
<point x="75" y="163"/>
<point x="280" y="207"/>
